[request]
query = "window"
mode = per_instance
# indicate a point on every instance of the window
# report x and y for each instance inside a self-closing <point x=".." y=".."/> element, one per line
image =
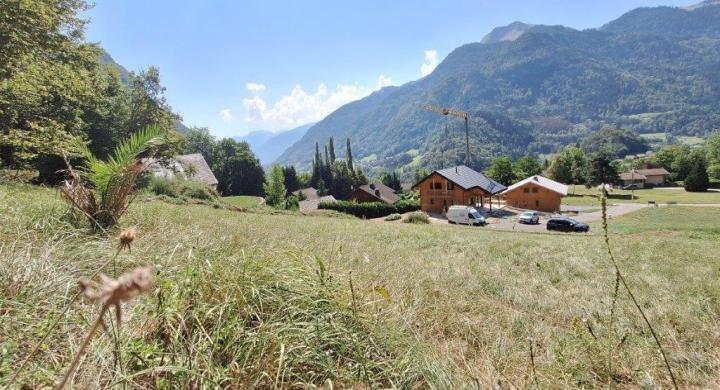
<point x="526" y="190"/>
<point x="450" y="186"/>
<point x="432" y="201"/>
<point x="436" y="185"/>
<point x="471" y="216"/>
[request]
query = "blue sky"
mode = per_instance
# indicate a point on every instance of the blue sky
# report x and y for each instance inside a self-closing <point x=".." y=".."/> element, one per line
<point x="236" y="66"/>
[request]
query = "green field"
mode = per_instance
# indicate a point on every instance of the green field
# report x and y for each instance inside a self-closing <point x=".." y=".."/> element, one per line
<point x="590" y="196"/>
<point x="255" y="299"/>
<point x="243" y="201"/>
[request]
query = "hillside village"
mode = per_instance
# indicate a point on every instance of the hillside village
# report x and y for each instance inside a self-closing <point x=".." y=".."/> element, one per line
<point x="539" y="210"/>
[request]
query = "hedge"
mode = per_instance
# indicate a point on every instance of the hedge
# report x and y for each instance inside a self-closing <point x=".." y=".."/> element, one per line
<point x="371" y="209"/>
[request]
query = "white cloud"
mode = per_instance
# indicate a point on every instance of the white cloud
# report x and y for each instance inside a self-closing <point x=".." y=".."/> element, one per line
<point x="255" y="87"/>
<point x="431" y="61"/>
<point x="301" y="107"/>
<point x="226" y="115"/>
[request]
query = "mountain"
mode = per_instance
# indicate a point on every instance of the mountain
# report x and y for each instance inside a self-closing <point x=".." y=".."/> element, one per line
<point x="106" y="58"/>
<point x="268" y="145"/>
<point x="510" y="32"/>
<point x="545" y="89"/>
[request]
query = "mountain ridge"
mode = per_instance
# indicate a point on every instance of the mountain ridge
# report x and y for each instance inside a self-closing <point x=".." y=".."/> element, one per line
<point x="542" y="90"/>
<point x="268" y="145"/>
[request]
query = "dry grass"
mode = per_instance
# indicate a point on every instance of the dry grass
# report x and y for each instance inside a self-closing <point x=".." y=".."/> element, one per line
<point x="258" y="299"/>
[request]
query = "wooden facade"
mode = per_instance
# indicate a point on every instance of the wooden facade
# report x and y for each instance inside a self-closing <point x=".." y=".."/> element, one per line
<point x="437" y="194"/>
<point x="532" y="196"/>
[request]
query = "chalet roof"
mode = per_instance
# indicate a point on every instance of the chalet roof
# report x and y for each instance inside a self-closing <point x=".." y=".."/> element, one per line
<point x="544" y="182"/>
<point x="312" y="204"/>
<point x="653" y="172"/>
<point x="632" y="175"/>
<point x="310" y="193"/>
<point x="203" y="173"/>
<point x="179" y="165"/>
<point x="467" y="178"/>
<point x="380" y="191"/>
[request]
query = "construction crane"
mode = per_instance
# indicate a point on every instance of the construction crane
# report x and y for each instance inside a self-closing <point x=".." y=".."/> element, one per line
<point x="455" y="113"/>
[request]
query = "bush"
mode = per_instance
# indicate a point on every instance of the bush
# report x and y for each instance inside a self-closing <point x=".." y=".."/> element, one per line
<point x="393" y="217"/>
<point x="417" y="217"/>
<point x="697" y="180"/>
<point x="195" y="190"/>
<point x="162" y="186"/>
<point x="371" y="209"/>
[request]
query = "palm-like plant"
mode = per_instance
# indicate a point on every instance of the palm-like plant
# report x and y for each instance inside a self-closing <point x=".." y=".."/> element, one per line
<point x="103" y="190"/>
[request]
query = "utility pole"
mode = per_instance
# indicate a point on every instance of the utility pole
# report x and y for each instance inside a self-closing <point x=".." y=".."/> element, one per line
<point x="460" y="114"/>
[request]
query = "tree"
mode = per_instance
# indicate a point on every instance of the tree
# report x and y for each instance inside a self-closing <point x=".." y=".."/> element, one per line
<point x="712" y="147"/>
<point x="391" y="180"/>
<point x="501" y="170"/>
<point x="237" y="169"/>
<point x="292" y="183"/>
<point x="697" y="179"/>
<point x="616" y="142"/>
<point x="349" y="157"/>
<point x="343" y="180"/>
<point x="420" y="174"/>
<point x="331" y="150"/>
<point x="275" y="187"/>
<point x="602" y="170"/>
<point x="527" y="166"/>
<point x="199" y="140"/>
<point x="569" y="166"/>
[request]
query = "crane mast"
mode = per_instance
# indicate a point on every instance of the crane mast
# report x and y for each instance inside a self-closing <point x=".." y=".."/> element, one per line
<point x="456" y="113"/>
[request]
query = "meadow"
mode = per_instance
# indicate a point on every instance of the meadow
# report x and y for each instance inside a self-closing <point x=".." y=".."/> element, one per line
<point x="288" y="300"/>
<point x="582" y="196"/>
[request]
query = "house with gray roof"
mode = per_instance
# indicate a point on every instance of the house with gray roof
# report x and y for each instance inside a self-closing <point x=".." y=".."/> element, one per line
<point x="191" y="167"/>
<point x="458" y="185"/>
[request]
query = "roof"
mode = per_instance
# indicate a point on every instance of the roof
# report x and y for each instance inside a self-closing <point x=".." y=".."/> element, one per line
<point x="312" y="204"/>
<point x="380" y="191"/>
<point x="467" y="178"/>
<point x="632" y="175"/>
<point x="203" y="173"/>
<point x="653" y="172"/>
<point x="310" y="193"/>
<point x="178" y="166"/>
<point x="544" y="182"/>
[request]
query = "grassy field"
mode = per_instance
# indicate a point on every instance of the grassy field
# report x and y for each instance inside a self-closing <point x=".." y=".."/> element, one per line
<point x="590" y="196"/>
<point x="254" y="299"/>
<point x="242" y="201"/>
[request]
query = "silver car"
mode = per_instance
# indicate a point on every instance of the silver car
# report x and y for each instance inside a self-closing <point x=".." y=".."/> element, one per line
<point x="529" y="217"/>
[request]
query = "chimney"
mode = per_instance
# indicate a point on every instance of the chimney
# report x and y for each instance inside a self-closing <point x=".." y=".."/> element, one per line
<point x="456" y="170"/>
<point x="372" y="186"/>
<point x="377" y="193"/>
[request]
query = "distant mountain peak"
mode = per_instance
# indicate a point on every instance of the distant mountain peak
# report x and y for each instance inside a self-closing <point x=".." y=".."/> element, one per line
<point x="705" y="3"/>
<point x="510" y="32"/>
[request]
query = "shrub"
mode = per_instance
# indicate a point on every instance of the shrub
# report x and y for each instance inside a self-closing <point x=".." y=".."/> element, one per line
<point x="162" y="186"/>
<point x="371" y="209"/>
<point x="195" y="190"/>
<point x="292" y="203"/>
<point x="417" y="217"/>
<point x="697" y="180"/>
<point x="393" y="217"/>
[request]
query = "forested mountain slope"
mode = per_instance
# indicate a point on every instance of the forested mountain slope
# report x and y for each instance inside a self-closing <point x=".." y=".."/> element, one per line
<point x="648" y="71"/>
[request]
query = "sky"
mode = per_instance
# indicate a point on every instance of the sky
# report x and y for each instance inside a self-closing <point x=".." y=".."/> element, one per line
<point x="235" y="66"/>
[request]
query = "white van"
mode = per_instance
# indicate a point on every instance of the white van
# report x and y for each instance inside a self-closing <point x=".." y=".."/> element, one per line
<point x="465" y="215"/>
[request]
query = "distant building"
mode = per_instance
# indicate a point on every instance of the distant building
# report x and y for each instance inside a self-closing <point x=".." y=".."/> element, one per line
<point x="312" y="204"/>
<point x="536" y="193"/>
<point x="459" y="185"/>
<point x="191" y="167"/>
<point x="652" y="177"/>
<point x="374" y="192"/>
<point x="308" y="193"/>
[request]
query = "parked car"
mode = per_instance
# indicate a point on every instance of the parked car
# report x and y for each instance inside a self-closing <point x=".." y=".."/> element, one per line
<point x="631" y="187"/>
<point x="465" y="215"/>
<point x="530" y="217"/>
<point x="563" y="224"/>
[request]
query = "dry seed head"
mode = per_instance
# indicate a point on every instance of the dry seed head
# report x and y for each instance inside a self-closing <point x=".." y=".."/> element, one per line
<point x="127" y="236"/>
<point x="113" y="292"/>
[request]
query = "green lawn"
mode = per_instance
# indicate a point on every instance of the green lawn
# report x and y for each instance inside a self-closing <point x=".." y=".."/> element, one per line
<point x="242" y="201"/>
<point x="589" y="196"/>
<point x="262" y="300"/>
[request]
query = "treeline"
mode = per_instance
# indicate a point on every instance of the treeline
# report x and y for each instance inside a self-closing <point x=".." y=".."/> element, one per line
<point x="333" y="176"/>
<point x="55" y="91"/>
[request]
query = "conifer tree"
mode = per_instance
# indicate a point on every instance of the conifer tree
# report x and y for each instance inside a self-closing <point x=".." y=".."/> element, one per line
<point x="275" y="187"/>
<point x="349" y="157"/>
<point x="331" y="149"/>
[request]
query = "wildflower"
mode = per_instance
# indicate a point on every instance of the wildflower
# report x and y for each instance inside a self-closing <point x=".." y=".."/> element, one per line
<point x="127" y="236"/>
